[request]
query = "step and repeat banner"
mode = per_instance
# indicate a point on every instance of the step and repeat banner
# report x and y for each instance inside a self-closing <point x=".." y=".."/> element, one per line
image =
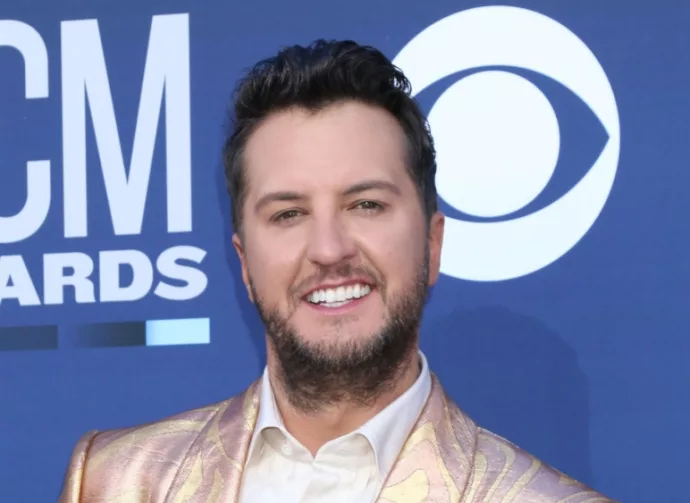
<point x="562" y="317"/>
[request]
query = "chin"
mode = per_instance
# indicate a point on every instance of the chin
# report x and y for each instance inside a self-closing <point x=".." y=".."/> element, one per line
<point x="338" y="342"/>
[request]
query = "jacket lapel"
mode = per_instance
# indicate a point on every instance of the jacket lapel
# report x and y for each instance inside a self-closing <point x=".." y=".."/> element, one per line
<point x="435" y="463"/>
<point x="212" y="469"/>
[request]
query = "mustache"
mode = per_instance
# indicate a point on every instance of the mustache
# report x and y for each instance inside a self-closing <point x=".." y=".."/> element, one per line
<point x="337" y="272"/>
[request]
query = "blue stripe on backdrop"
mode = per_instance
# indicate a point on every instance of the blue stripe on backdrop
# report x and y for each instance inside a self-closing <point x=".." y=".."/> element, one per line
<point x="28" y="338"/>
<point x="105" y="335"/>
<point x="175" y="332"/>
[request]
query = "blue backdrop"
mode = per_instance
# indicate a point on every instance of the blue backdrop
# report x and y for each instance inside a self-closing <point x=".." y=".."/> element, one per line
<point x="560" y="321"/>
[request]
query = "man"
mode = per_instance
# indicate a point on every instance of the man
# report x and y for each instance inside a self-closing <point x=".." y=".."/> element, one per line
<point x="331" y="172"/>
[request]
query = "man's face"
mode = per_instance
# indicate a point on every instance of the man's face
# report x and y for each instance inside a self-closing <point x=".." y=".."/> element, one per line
<point x="334" y="235"/>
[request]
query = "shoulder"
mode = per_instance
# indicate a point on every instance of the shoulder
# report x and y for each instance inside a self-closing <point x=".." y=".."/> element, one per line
<point x="493" y="469"/>
<point x="137" y="461"/>
<point x="167" y="434"/>
<point x="505" y="470"/>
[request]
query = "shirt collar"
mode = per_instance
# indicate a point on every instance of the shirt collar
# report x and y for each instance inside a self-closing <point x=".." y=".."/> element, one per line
<point x="389" y="429"/>
<point x="386" y="432"/>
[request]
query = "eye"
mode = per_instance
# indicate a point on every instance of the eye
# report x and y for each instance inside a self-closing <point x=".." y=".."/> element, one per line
<point x="369" y="206"/>
<point x="286" y="215"/>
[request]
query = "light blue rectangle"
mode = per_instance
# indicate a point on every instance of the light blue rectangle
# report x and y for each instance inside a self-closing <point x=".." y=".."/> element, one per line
<point x="176" y="332"/>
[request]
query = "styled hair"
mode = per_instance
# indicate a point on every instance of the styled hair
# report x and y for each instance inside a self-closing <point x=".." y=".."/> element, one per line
<point x="312" y="78"/>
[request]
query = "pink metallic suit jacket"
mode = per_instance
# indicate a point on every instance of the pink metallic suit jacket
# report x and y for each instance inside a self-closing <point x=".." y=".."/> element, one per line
<point x="198" y="457"/>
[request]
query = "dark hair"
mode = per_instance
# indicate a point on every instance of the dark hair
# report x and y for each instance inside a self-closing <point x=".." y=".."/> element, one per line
<point x="313" y="77"/>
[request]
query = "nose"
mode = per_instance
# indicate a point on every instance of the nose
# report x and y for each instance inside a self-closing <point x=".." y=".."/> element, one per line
<point x="329" y="242"/>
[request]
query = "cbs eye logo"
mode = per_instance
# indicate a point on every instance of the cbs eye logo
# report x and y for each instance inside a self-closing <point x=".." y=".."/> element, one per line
<point x="498" y="138"/>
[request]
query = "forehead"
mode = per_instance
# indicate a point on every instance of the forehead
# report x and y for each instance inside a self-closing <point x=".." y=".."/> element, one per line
<point x="340" y="145"/>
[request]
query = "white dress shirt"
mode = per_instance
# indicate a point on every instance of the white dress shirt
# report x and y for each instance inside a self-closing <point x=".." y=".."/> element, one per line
<point x="348" y="469"/>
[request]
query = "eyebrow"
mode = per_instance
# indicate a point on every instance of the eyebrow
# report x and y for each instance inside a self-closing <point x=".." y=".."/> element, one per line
<point x="277" y="196"/>
<point x="372" y="185"/>
<point x="351" y="190"/>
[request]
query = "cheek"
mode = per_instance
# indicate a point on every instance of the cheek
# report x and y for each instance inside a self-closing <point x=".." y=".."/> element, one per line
<point x="272" y="267"/>
<point x="397" y="250"/>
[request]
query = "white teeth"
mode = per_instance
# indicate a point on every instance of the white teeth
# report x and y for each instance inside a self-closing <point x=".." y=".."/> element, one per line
<point x="335" y="304"/>
<point x="335" y="297"/>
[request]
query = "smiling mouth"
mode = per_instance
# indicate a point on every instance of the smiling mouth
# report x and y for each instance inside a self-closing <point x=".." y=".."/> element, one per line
<point x="339" y="296"/>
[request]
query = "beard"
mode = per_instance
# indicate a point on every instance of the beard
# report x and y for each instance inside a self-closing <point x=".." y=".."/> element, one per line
<point x="357" y="372"/>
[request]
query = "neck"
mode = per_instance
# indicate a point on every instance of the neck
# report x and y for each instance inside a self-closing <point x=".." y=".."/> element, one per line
<point x="314" y="428"/>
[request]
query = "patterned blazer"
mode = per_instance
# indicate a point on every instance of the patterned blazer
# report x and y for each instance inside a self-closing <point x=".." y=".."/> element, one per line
<point x="198" y="457"/>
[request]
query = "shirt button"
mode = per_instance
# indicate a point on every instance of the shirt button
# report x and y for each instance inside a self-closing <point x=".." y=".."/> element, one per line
<point x="287" y="450"/>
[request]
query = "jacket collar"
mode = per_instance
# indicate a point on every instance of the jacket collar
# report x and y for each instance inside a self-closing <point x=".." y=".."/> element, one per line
<point x="433" y="465"/>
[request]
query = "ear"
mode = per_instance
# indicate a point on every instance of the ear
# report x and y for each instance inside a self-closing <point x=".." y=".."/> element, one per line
<point x="436" y="226"/>
<point x="239" y="248"/>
